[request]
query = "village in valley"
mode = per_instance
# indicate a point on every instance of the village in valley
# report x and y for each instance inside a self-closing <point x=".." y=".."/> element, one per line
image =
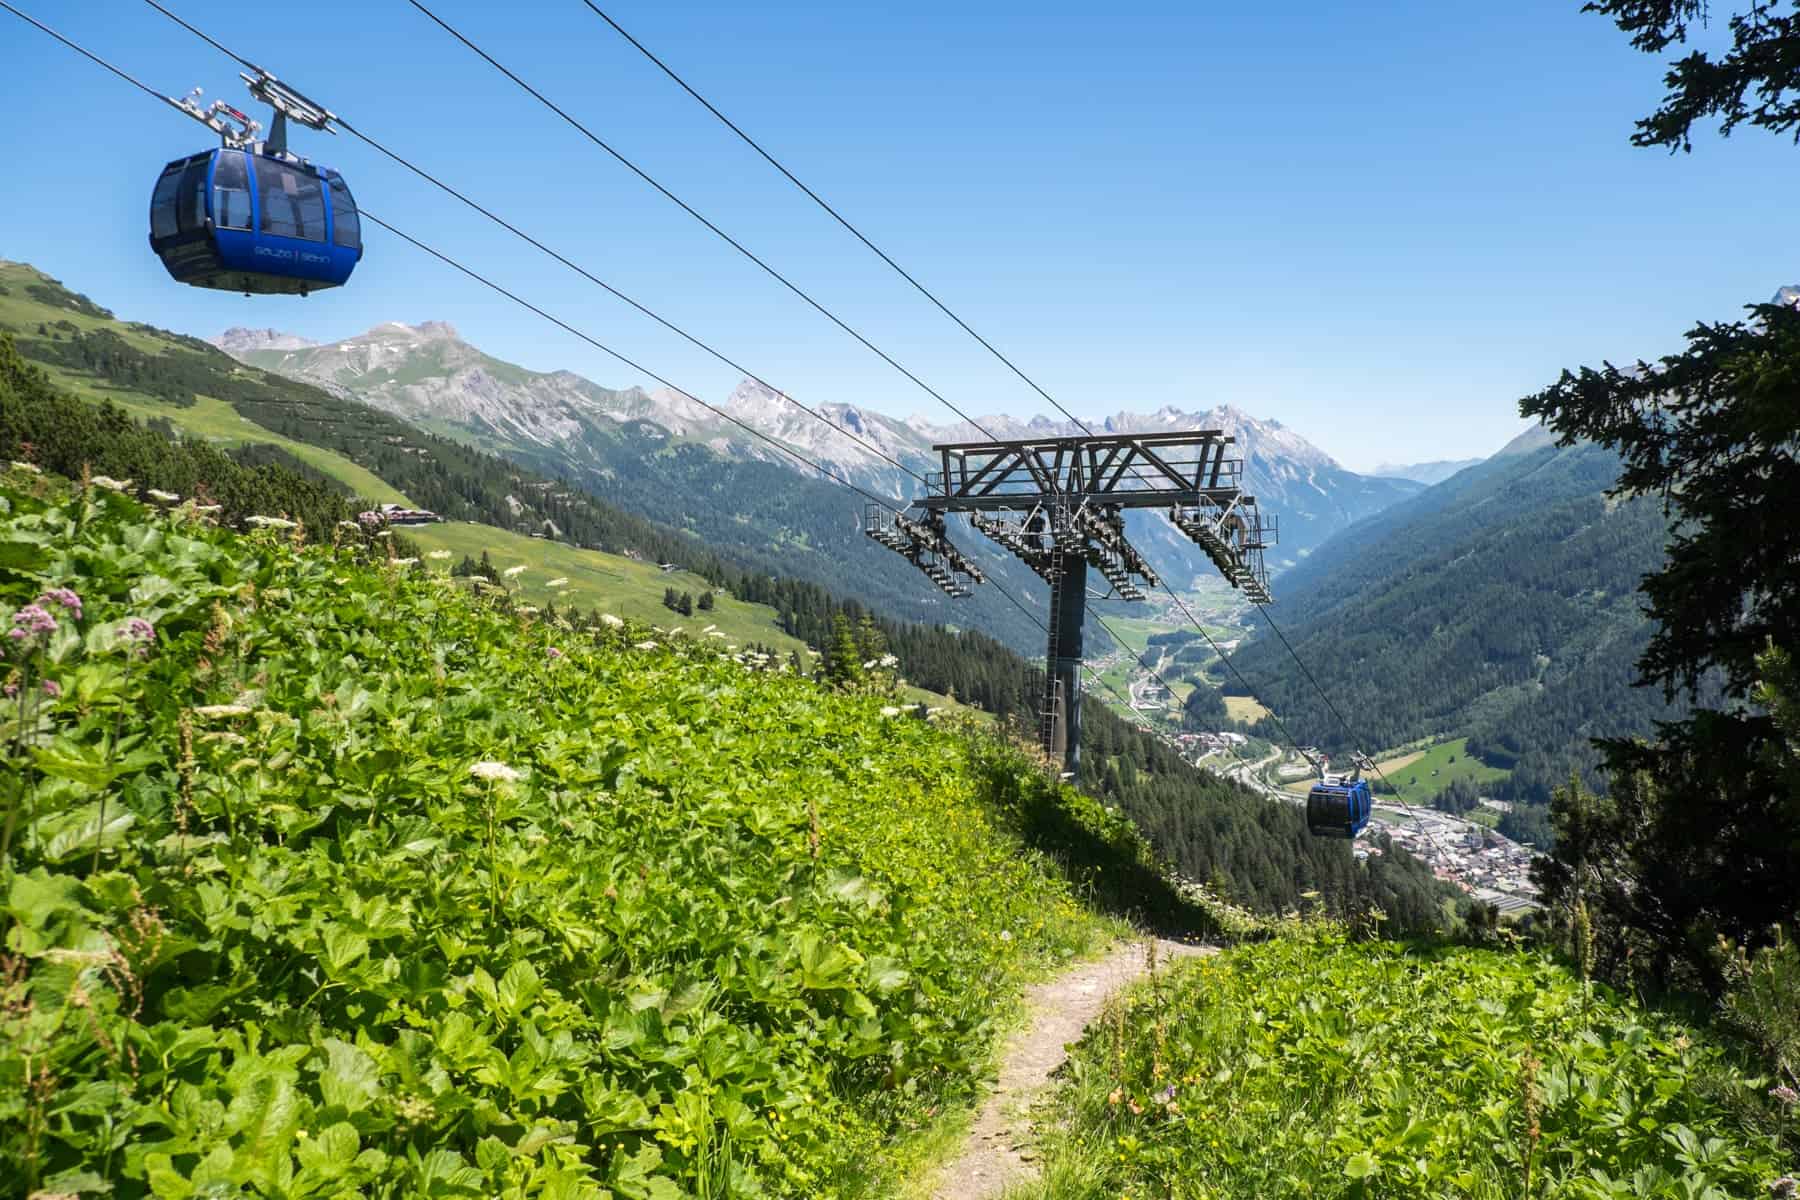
<point x="1465" y="851"/>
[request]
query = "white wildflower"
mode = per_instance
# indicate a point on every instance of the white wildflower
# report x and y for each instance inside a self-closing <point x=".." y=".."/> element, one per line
<point x="871" y="665"/>
<point x="163" y="497"/>
<point x="611" y="622"/>
<point x="403" y="562"/>
<point x="494" y="772"/>
<point x="674" y="631"/>
<point x="437" y="554"/>
<point x="559" y="581"/>
<point x="223" y="710"/>
<point x="269" y="522"/>
<point x="888" y="660"/>
<point x="713" y="633"/>
<point x="888" y="710"/>
<point x="111" y="484"/>
<point x="28" y="468"/>
<point x="209" y="508"/>
<point x="349" y="525"/>
<point x="645" y="646"/>
<point x="529" y="610"/>
<point x="514" y="572"/>
<point x="709" y="629"/>
<point x="386" y="533"/>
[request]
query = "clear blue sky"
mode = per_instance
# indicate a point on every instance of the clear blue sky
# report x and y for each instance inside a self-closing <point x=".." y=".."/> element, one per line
<point x="1379" y="224"/>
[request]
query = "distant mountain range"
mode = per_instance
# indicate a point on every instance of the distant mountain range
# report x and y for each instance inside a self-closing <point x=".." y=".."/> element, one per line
<point x="563" y="423"/>
<point x="1426" y="473"/>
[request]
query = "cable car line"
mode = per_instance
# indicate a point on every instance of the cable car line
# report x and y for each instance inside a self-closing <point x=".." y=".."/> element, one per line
<point x="720" y="355"/>
<point x="825" y="472"/>
<point x="154" y="94"/>
<point x="626" y="359"/>
<point x="966" y="328"/>
<point x="694" y="213"/>
<point x="771" y="271"/>
<point x="692" y="339"/>
<point x="203" y="36"/>
<point x="989" y="346"/>
<point x="834" y="214"/>
<point x="133" y="80"/>
<point x="497" y="219"/>
<point x="1332" y="705"/>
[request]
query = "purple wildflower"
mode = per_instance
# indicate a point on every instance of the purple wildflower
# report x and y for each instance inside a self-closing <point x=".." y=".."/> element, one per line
<point x="1785" y="1094"/>
<point x="34" y="619"/>
<point x="139" y="630"/>
<point x="554" y="654"/>
<point x="52" y="688"/>
<point x="64" y="597"/>
<point x="11" y="689"/>
<point x="1166" y="1095"/>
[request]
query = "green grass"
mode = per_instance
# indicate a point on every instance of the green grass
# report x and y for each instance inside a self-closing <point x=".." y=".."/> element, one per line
<point x="349" y="882"/>
<point x="609" y="582"/>
<point x="1245" y="708"/>
<point x="1312" y="1066"/>
<point x="22" y="312"/>
<point x="1432" y="771"/>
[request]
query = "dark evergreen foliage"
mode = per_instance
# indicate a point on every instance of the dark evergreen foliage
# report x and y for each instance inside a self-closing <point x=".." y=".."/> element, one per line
<point x="71" y="437"/>
<point x="1701" y="836"/>
<point x="1757" y="80"/>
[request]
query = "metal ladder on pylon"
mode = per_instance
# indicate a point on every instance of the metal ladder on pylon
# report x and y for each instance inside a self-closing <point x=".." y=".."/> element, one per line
<point x="1051" y="712"/>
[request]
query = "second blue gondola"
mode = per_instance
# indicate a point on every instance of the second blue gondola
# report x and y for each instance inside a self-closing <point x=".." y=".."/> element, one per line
<point x="1338" y="808"/>
<point x="258" y="223"/>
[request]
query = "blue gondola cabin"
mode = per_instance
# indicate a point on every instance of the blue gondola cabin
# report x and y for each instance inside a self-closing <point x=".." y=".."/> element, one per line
<point x="1338" y="808"/>
<point x="240" y="221"/>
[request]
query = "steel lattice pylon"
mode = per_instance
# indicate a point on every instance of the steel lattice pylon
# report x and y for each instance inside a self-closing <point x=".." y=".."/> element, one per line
<point x="1059" y="504"/>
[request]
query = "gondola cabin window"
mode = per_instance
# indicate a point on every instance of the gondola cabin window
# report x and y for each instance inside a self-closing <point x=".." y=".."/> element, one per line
<point x="293" y="201"/>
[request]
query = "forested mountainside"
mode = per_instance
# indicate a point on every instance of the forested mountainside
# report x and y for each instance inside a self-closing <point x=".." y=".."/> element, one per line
<point x="1255" y="851"/>
<point x="1501" y="604"/>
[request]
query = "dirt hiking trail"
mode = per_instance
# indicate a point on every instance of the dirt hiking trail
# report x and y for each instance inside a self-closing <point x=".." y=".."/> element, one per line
<point x="998" y="1151"/>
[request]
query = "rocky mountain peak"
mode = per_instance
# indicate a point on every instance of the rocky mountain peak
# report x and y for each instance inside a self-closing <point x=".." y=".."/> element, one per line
<point x="239" y="340"/>
<point x="425" y="331"/>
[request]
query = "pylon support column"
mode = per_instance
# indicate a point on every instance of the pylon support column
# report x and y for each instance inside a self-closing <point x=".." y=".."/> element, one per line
<point x="1062" y="662"/>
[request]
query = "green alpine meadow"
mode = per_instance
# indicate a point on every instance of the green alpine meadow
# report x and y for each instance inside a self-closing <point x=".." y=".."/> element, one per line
<point x="1311" y="1065"/>
<point x="326" y="877"/>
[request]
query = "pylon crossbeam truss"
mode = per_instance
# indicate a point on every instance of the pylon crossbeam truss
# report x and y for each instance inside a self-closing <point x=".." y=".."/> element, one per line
<point x="1058" y="504"/>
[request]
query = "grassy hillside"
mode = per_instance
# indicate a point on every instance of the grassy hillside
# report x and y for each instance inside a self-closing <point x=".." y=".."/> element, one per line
<point x="610" y="582"/>
<point x="41" y="314"/>
<point x="326" y="878"/>
<point x="1254" y="851"/>
<point x="1309" y="1066"/>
